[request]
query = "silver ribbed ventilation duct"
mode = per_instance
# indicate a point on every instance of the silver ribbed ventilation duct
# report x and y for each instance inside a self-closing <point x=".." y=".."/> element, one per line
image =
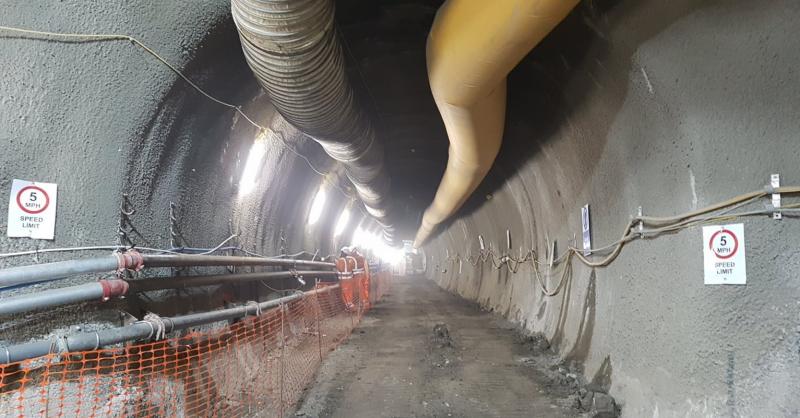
<point x="293" y="49"/>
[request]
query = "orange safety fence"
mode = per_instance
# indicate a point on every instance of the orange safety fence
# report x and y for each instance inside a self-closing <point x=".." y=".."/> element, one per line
<point x="258" y="366"/>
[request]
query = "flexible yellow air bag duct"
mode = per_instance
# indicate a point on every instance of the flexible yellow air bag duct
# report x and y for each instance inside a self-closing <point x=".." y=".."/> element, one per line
<point x="472" y="47"/>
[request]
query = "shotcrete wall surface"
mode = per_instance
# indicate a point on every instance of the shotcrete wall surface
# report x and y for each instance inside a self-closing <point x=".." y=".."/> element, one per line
<point x="670" y="106"/>
<point x="105" y="118"/>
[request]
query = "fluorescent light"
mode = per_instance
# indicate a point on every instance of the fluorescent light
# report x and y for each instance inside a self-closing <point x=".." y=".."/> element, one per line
<point x="360" y="238"/>
<point x="317" y="206"/>
<point x="390" y="255"/>
<point x="366" y="241"/>
<point x="344" y="218"/>
<point x="252" y="167"/>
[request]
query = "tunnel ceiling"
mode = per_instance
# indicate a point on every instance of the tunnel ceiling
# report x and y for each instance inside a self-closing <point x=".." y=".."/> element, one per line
<point x="385" y="47"/>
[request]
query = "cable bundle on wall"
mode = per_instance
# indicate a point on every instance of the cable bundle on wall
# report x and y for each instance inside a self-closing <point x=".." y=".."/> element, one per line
<point x="658" y="226"/>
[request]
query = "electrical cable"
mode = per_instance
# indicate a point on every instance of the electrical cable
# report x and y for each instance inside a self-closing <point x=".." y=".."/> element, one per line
<point x="80" y="37"/>
<point x="175" y="250"/>
<point x="662" y="225"/>
<point x="215" y="249"/>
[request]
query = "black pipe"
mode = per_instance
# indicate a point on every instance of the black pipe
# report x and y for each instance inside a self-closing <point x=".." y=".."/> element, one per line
<point x="133" y="260"/>
<point x="138" y="331"/>
<point x="182" y="282"/>
<point x="189" y="260"/>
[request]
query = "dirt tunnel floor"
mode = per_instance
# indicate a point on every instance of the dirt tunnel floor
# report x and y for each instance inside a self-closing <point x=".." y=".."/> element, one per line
<point x="402" y="362"/>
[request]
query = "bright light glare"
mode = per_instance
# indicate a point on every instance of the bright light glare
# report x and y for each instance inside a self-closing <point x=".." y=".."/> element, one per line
<point x="344" y="218"/>
<point x="365" y="240"/>
<point x="317" y="206"/>
<point x="249" y="179"/>
<point x="362" y="239"/>
<point x="390" y="255"/>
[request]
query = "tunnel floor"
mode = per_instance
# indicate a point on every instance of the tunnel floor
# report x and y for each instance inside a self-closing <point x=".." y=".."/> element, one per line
<point x="423" y="352"/>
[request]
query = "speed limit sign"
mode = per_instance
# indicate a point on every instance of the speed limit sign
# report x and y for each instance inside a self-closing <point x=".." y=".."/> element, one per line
<point x="723" y="254"/>
<point x="32" y="210"/>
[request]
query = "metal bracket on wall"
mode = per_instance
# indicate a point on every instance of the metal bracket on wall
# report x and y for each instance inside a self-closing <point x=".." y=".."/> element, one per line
<point x="775" y="182"/>
<point x="639" y="214"/>
<point x="232" y="232"/>
<point x="282" y="246"/>
<point x="175" y="238"/>
<point x="586" y="230"/>
<point x="124" y="226"/>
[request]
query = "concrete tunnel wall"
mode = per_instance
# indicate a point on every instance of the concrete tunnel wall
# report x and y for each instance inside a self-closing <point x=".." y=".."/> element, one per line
<point x="105" y="118"/>
<point x="670" y="106"/>
<point x="665" y="105"/>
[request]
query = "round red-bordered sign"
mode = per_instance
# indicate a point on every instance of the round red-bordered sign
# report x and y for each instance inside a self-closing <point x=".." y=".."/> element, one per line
<point x="735" y="243"/>
<point x="38" y="189"/>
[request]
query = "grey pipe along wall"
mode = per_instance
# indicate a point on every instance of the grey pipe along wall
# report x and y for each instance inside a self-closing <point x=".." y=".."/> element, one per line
<point x="141" y="330"/>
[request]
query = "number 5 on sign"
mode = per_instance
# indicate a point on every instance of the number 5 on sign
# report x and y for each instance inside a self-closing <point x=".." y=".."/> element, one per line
<point x="32" y="210"/>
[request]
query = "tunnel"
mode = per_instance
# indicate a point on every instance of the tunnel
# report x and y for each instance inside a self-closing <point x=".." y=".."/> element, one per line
<point x="400" y="208"/>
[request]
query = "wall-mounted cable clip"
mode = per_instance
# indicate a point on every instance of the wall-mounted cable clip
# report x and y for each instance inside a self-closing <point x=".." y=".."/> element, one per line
<point x="775" y="183"/>
<point x="640" y="224"/>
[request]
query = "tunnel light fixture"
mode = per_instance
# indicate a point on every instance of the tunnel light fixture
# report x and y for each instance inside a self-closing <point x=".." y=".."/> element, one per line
<point x="372" y="242"/>
<point x="389" y="254"/>
<point x="252" y="166"/>
<point x="317" y="206"/>
<point x="361" y="239"/>
<point x="341" y="223"/>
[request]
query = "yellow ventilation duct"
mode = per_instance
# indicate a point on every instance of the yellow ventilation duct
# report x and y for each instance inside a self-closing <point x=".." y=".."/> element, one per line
<point x="472" y="47"/>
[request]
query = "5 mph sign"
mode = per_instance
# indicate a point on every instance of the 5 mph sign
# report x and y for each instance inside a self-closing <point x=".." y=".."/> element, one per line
<point x="724" y="255"/>
<point x="32" y="210"/>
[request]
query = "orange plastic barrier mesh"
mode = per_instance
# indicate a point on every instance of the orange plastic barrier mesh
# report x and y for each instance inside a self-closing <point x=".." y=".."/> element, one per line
<point x="258" y="366"/>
